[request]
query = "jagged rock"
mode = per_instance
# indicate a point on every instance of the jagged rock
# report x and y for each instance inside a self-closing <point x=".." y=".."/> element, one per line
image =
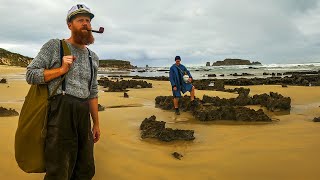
<point x="4" y="112"/>
<point x="177" y="155"/>
<point x="212" y="75"/>
<point x="213" y="113"/>
<point x="121" y="86"/>
<point x="272" y="102"/>
<point x="214" y="108"/>
<point x="316" y="119"/>
<point x="3" y="80"/>
<point x="150" y="128"/>
<point x="101" y="108"/>
<point x="125" y="95"/>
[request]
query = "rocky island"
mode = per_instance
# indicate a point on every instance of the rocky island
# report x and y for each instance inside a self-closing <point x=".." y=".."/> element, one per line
<point x="231" y="62"/>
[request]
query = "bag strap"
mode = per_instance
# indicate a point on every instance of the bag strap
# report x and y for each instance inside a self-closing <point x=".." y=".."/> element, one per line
<point x="64" y="51"/>
<point x="182" y="72"/>
<point x="91" y="69"/>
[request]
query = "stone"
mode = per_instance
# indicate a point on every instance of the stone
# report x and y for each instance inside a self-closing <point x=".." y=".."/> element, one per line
<point x="177" y="155"/>
<point x="101" y="108"/>
<point x="150" y="128"/>
<point x="4" y="112"/>
<point x="3" y="80"/>
<point x="316" y="119"/>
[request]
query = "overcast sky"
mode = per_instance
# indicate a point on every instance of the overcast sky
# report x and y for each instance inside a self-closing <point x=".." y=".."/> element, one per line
<point x="153" y="32"/>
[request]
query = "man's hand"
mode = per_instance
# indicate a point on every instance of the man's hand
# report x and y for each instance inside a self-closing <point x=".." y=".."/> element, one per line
<point x="66" y="63"/>
<point x="174" y="88"/>
<point x="96" y="133"/>
<point x="190" y="79"/>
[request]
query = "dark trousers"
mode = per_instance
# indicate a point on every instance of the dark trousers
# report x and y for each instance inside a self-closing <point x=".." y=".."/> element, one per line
<point x="69" y="141"/>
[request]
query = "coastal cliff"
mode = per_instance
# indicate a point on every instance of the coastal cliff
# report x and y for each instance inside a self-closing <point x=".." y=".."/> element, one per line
<point x="113" y="63"/>
<point x="13" y="59"/>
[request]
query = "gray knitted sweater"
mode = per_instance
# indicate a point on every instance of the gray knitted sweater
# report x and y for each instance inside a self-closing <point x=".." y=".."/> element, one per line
<point x="78" y="77"/>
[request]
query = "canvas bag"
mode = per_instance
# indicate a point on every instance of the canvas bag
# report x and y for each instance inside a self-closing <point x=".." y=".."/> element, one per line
<point x="31" y="132"/>
<point x="185" y="76"/>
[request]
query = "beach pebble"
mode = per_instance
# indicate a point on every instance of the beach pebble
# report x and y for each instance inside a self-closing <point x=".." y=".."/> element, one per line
<point x="101" y="108"/>
<point x="177" y="155"/>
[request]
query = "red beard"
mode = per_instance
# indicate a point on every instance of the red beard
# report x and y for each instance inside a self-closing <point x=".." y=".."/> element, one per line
<point x="83" y="37"/>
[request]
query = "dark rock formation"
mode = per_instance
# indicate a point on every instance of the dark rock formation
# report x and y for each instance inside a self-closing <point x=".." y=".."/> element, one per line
<point x="230" y="62"/>
<point x="295" y="80"/>
<point x="316" y="119"/>
<point x="158" y="78"/>
<point x="273" y="102"/>
<point x="3" y="80"/>
<point x="101" y="108"/>
<point x="243" y="74"/>
<point x="212" y="75"/>
<point x="150" y="128"/>
<point x="125" y="95"/>
<point x="213" y="111"/>
<point x="120" y="86"/>
<point x="4" y="112"/>
<point x="177" y="155"/>
<point x="208" y="64"/>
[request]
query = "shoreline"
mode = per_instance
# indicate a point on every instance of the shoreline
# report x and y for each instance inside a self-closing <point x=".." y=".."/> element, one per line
<point x="220" y="151"/>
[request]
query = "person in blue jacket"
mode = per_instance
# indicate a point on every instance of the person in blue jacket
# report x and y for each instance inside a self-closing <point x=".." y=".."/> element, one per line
<point x="180" y="79"/>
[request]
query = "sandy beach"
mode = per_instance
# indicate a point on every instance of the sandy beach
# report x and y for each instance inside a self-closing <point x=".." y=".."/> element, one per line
<point x="287" y="148"/>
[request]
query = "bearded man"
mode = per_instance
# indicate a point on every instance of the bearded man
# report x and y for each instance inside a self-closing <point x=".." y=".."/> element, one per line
<point x="70" y="136"/>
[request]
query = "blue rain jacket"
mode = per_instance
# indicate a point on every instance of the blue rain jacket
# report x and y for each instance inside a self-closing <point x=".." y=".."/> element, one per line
<point x="176" y="79"/>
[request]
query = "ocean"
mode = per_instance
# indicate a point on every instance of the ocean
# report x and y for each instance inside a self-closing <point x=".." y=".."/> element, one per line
<point x="204" y="72"/>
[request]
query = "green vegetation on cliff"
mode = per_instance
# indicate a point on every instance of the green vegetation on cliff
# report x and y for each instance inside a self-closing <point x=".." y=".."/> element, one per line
<point x="113" y="63"/>
<point x="13" y="59"/>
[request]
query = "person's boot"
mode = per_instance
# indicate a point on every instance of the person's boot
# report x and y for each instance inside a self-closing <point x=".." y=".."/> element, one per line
<point x="177" y="112"/>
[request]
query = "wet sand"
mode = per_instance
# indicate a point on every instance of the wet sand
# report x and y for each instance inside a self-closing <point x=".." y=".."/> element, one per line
<point x="285" y="149"/>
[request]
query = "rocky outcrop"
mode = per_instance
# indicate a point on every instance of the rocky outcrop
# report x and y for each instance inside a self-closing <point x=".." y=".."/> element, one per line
<point x="150" y="128"/>
<point x="101" y="108"/>
<point x="273" y="101"/>
<point x="294" y="80"/>
<point x="4" y="112"/>
<point x="231" y="62"/>
<point x="158" y="78"/>
<point x="3" y="80"/>
<point x="210" y="112"/>
<point x="13" y="59"/>
<point x="316" y="119"/>
<point x="120" y="86"/>
<point x="208" y="64"/>
<point x="113" y="63"/>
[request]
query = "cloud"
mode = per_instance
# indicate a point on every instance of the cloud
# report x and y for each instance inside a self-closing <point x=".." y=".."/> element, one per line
<point x="153" y="32"/>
